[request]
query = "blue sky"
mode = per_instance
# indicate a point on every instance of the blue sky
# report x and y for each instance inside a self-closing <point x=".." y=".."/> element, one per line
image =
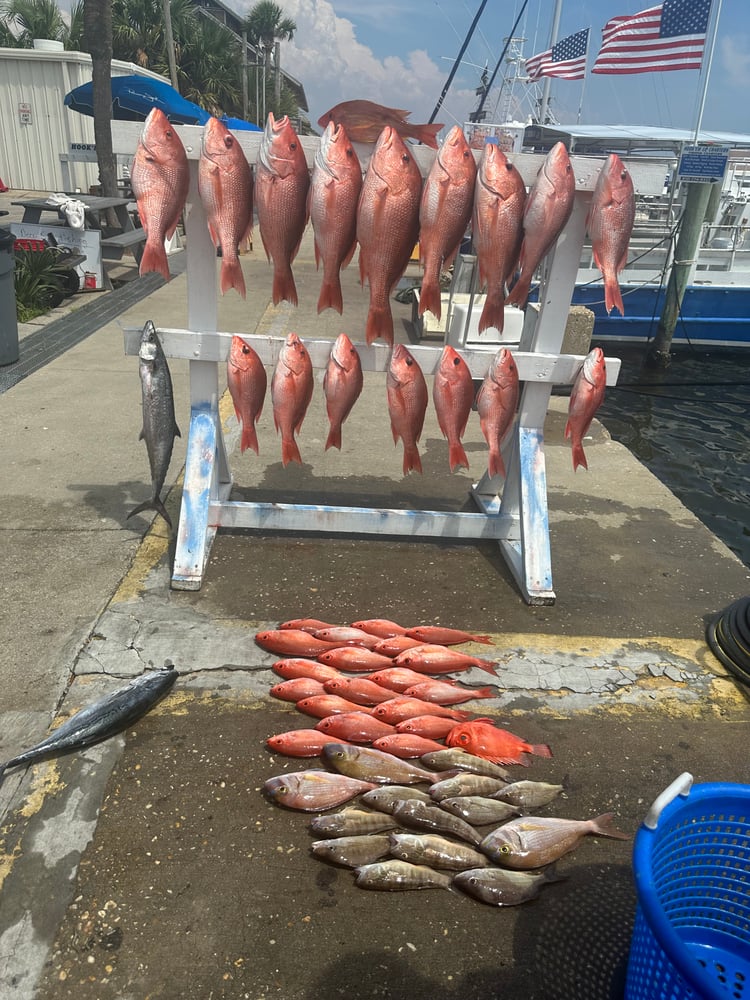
<point x="400" y="52"/>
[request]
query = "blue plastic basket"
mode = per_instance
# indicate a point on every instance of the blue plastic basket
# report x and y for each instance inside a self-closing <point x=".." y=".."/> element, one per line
<point x="691" y="859"/>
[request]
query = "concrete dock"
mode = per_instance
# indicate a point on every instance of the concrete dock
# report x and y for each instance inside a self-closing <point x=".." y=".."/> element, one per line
<point x="151" y="865"/>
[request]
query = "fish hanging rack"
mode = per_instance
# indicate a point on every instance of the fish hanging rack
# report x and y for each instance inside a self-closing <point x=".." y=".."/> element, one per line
<point x="513" y="512"/>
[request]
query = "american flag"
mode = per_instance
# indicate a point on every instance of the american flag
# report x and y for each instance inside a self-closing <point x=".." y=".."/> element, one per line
<point x="566" y="59"/>
<point x="670" y="36"/>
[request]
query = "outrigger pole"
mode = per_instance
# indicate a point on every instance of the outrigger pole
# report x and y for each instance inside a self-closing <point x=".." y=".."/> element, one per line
<point x="459" y="57"/>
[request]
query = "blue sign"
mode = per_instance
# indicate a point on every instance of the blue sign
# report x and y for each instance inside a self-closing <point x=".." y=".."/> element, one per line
<point x="703" y="164"/>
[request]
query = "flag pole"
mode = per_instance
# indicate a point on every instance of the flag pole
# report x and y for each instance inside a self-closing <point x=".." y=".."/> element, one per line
<point x="707" y="74"/>
<point x="547" y="80"/>
<point x="583" y="82"/>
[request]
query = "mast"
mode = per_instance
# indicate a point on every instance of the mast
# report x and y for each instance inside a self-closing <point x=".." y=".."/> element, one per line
<point x="547" y="80"/>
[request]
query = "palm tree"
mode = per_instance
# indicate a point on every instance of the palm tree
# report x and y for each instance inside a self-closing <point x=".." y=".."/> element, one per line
<point x="30" y="19"/>
<point x="97" y="34"/>
<point x="210" y="68"/>
<point x="266" y="26"/>
<point x="138" y="34"/>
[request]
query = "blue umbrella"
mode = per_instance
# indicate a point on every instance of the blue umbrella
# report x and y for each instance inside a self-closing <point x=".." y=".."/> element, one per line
<point x="134" y="96"/>
<point x="239" y="124"/>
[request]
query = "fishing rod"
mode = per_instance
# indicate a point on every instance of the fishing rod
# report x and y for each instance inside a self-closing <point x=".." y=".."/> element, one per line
<point x="456" y="64"/>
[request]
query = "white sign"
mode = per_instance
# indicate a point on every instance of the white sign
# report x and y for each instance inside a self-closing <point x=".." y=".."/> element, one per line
<point x="84" y="241"/>
<point x="24" y="114"/>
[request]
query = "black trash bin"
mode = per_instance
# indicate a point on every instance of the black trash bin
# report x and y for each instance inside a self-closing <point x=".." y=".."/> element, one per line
<point x="8" y="319"/>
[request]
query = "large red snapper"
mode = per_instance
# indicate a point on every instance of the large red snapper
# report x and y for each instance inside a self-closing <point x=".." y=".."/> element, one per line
<point x="548" y="208"/>
<point x="365" y="120"/>
<point x="586" y="397"/>
<point x="247" y="382"/>
<point x="497" y="230"/>
<point x="453" y="396"/>
<point x="610" y="224"/>
<point x="291" y="392"/>
<point x="334" y="193"/>
<point x="160" y="178"/>
<point x="407" y="404"/>
<point x="497" y="402"/>
<point x="342" y="385"/>
<point x="225" y="184"/>
<point x="387" y="227"/>
<point x="444" y="213"/>
<point x="282" y="181"/>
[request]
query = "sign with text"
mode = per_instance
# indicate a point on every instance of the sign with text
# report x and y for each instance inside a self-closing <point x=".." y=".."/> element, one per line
<point x="703" y="164"/>
<point x="83" y="241"/>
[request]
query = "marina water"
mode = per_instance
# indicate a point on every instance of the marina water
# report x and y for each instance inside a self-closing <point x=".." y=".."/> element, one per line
<point x="690" y="426"/>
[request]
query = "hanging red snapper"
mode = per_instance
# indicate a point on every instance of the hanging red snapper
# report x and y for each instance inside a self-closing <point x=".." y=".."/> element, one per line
<point x="497" y="402"/>
<point x="585" y="399"/>
<point x="342" y="385"/>
<point x="313" y="790"/>
<point x="387" y="227"/>
<point x="444" y="213"/>
<point x="497" y="230"/>
<point x="407" y="404"/>
<point x="247" y="382"/>
<point x="453" y="396"/>
<point x="334" y="193"/>
<point x="225" y="184"/>
<point x="610" y="224"/>
<point x="548" y="208"/>
<point x="282" y="181"/>
<point x="160" y="178"/>
<point x="291" y="392"/>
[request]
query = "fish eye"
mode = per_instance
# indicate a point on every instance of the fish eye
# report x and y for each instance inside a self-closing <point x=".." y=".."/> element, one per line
<point x="456" y="362"/>
<point x="405" y="157"/>
<point x="282" y="790"/>
<point x="228" y="141"/>
<point x="292" y="145"/>
<point x="349" y="151"/>
<point x="409" y="362"/>
<point x="505" y="849"/>
<point x="463" y="738"/>
<point x="245" y="349"/>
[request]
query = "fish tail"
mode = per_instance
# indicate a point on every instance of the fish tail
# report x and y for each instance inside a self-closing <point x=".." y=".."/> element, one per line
<point x="485" y="692"/>
<point x="427" y="134"/>
<point x="379" y="325"/>
<point x="330" y="296"/>
<point x="487" y="666"/>
<point x="284" y="288"/>
<point x="232" y="276"/>
<point x="486" y="639"/>
<point x="540" y="750"/>
<point x="334" y="437"/>
<point x="604" y="825"/>
<point x="457" y="457"/>
<point x="496" y="464"/>
<point x="412" y="461"/>
<point x="153" y="504"/>
<point x="612" y="294"/>
<point x="519" y="292"/>
<point x="579" y="457"/>
<point x="429" y="298"/>
<point x="493" y="313"/>
<point x="249" y="438"/>
<point x="154" y="259"/>
<point x="290" y="451"/>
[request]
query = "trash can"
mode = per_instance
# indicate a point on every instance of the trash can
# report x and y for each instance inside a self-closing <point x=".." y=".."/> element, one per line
<point x="8" y="319"/>
<point x="691" y="860"/>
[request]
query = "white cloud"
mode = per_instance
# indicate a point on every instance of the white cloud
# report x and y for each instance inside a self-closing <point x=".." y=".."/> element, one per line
<point x="735" y="51"/>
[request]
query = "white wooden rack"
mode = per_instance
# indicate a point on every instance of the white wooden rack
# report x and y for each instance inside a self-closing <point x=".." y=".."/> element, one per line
<point x="513" y="511"/>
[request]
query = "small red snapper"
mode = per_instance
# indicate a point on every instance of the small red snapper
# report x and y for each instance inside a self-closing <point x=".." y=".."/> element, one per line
<point x="497" y="229"/>
<point x="548" y="208"/>
<point x="497" y="402"/>
<point x="291" y="392"/>
<point x="160" y="179"/>
<point x="444" y="213"/>
<point x="610" y="224"/>
<point x="365" y="120"/>
<point x="387" y="227"/>
<point x="225" y="184"/>
<point x="299" y="742"/>
<point x="342" y="386"/>
<point x="585" y="399"/>
<point x="407" y="404"/>
<point x="247" y="382"/>
<point x="334" y="193"/>
<point x="313" y="790"/>
<point x="282" y="181"/>
<point x="453" y="396"/>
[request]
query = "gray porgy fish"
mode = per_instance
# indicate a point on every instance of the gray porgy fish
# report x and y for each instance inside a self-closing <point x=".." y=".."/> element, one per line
<point x="353" y="822"/>
<point x="478" y="809"/>
<point x="466" y="783"/>
<point x="533" y="841"/>
<point x="369" y="764"/>
<point x="460" y="760"/>
<point x="435" y="851"/>
<point x="432" y="817"/>
<point x="104" y="718"/>
<point x="353" y="851"/>
<point x="528" y="794"/>
<point x="501" y="887"/>
<point x="394" y="876"/>
<point x="388" y="797"/>
<point x="159" y="424"/>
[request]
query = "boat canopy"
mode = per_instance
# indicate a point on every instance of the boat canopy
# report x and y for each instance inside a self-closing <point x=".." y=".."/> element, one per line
<point x="595" y="140"/>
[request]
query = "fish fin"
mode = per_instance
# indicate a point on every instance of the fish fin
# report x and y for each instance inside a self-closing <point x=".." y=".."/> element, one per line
<point x="232" y="276"/>
<point x="486" y="639"/>
<point x="605" y="827"/>
<point x="154" y="259"/>
<point x="457" y="457"/>
<point x="540" y="750"/>
<point x="426" y="134"/>
<point x="612" y="294"/>
<point x="496" y="465"/>
<point x="284" y="288"/>
<point x="153" y="504"/>
<point x="176" y="431"/>
<point x="249" y="438"/>
<point x="488" y="667"/>
<point x="379" y="325"/>
<point x="412" y="461"/>
<point x="290" y="452"/>
<point x="348" y="256"/>
<point x="429" y="298"/>
<point x="579" y="457"/>
<point x="334" y="438"/>
<point x="519" y="292"/>
<point x="493" y="313"/>
<point x="331" y="297"/>
<point x="485" y="692"/>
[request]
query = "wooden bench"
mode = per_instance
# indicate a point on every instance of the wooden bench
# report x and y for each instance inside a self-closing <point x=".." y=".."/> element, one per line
<point x="113" y="247"/>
